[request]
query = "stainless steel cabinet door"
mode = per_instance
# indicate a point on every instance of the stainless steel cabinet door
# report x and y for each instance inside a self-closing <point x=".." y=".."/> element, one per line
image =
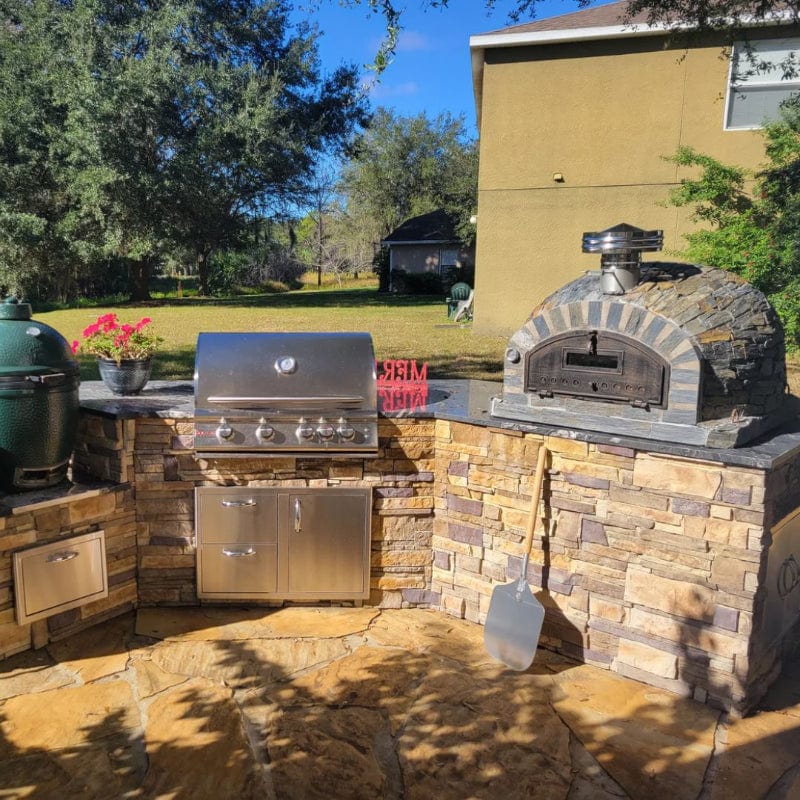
<point x="328" y="542"/>
<point x="237" y="571"/>
<point x="236" y="514"/>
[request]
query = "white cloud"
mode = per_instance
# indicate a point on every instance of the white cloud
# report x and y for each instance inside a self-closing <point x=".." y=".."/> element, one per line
<point x="385" y="91"/>
<point x="407" y="42"/>
<point x="411" y="41"/>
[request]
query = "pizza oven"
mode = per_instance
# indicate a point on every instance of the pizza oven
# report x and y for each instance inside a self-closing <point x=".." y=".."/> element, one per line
<point x="657" y="350"/>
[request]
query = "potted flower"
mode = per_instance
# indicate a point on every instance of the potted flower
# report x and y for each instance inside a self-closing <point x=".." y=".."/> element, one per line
<point x="123" y="352"/>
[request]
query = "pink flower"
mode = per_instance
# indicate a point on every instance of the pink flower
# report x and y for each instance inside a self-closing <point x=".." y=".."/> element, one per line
<point x="91" y="330"/>
<point x="75" y="345"/>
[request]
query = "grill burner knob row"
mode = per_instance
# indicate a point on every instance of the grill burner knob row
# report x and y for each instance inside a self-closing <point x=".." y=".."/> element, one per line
<point x="224" y="431"/>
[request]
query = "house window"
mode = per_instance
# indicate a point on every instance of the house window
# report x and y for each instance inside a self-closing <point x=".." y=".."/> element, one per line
<point x="448" y="259"/>
<point x="758" y="81"/>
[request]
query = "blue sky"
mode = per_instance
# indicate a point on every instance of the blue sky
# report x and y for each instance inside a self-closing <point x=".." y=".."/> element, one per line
<point x="431" y="71"/>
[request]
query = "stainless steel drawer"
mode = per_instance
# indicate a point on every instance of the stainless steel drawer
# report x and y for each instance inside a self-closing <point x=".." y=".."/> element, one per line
<point x="236" y="514"/>
<point x="58" y="576"/>
<point x="233" y="570"/>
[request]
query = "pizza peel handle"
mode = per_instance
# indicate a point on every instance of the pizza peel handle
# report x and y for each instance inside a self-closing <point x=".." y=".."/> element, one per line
<point x="515" y="616"/>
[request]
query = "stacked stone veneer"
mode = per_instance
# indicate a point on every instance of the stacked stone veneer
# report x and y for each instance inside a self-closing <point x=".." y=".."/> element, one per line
<point x="722" y="342"/>
<point x="652" y="566"/>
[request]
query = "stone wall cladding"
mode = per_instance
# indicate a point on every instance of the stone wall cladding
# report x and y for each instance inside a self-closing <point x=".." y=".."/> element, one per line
<point x="651" y="566"/>
<point x="401" y="477"/>
<point x="52" y="520"/>
<point x="646" y="565"/>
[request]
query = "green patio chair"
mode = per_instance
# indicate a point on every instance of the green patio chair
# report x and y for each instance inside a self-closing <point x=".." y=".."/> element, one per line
<point x="459" y="292"/>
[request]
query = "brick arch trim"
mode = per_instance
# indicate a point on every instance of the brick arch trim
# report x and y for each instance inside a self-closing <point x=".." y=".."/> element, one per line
<point x="654" y="331"/>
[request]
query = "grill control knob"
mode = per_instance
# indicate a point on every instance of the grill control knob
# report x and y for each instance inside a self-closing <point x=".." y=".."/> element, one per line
<point x="305" y="430"/>
<point x="344" y="430"/>
<point x="325" y="430"/>
<point x="264" y="431"/>
<point x="224" y="431"/>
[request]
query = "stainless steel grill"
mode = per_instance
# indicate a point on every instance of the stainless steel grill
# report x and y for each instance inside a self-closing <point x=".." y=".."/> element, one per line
<point x="285" y="394"/>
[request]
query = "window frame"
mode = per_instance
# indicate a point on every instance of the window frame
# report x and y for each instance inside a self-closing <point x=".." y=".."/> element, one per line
<point x="792" y="43"/>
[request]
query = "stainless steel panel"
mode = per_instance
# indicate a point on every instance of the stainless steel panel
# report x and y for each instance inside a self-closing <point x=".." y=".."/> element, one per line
<point x="328" y="542"/>
<point x="59" y="576"/>
<point x="236" y="570"/>
<point x="236" y="514"/>
<point x="336" y="366"/>
<point x="782" y="606"/>
<point x="304" y="544"/>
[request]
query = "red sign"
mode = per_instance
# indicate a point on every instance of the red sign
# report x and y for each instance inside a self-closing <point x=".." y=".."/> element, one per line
<point x="402" y="384"/>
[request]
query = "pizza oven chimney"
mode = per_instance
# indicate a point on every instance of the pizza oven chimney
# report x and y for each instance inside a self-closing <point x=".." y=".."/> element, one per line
<point x="621" y="249"/>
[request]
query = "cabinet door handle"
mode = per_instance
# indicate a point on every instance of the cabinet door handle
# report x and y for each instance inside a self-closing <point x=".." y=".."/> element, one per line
<point x="64" y="555"/>
<point x="238" y="553"/>
<point x="238" y="503"/>
<point x="297" y="515"/>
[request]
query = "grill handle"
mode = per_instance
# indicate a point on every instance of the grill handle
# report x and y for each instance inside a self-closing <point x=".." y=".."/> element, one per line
<point x="237" y="503"/>
<point x="338" y="401"/>
<point x="238" y="553"/>
<point x="64" y="555"/>
<point x="298" y="522"/>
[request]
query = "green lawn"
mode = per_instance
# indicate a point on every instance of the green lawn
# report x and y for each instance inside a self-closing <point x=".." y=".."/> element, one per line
<point x="411" y="327"/>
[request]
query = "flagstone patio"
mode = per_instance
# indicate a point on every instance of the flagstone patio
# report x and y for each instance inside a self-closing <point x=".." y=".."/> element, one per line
<point x="362" y="703"/>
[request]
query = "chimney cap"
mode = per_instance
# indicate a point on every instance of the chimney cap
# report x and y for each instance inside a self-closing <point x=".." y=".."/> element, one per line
<point x="623" y="238"/>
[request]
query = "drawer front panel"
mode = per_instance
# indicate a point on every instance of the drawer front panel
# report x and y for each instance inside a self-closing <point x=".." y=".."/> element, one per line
<point x="236" y="514"/>
<point x="234" y="570"/>
<point x="60" y="576"/>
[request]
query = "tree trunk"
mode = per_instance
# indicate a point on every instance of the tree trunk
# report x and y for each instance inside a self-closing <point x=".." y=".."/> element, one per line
<point x="139" y="278"/>
<point x="202" y="272"/>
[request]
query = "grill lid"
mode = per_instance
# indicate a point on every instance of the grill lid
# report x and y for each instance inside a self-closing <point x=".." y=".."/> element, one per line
<point x="277" y="371"/>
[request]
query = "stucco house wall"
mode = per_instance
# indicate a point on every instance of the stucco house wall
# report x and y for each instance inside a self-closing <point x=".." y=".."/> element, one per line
<point x="573" y="138"/>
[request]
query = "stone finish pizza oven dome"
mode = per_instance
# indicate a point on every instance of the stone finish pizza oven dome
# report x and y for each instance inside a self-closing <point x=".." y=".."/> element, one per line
<point x="689" y="354"/>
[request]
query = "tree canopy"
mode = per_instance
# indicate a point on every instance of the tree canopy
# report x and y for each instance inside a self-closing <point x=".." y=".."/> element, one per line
<point x="130" y="129"/>
<point x="753" y="232"/>
<point x="402" y="167"/>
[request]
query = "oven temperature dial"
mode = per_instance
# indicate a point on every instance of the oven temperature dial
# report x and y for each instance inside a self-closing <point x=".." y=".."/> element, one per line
<point x="325" y="430"/>
<point x="264" y="431"/>
<point x="344" y="430"/>
<point x="305" y="430"/>
<point x="224" y="431"/>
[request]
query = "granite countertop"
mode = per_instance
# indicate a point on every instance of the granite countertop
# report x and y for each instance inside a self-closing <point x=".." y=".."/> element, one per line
<point x="465" y="401"/>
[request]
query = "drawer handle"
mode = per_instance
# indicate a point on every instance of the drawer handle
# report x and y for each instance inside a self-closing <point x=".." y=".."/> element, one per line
<point x="238" y="503"/>
<point x="238" y="553"/>
<point x="64" y="555"/>
<point x="298" y="519"/>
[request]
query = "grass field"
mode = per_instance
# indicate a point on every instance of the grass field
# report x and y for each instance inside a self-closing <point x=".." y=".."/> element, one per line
<point x="413" y="327"/>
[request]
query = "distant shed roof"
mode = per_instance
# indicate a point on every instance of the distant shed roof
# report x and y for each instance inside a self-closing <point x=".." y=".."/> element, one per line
<point x="437" y="226"/>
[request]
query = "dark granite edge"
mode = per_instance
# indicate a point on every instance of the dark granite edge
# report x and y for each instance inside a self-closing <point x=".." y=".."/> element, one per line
<point x="68" y="491"/>
<point x="454" y="400"/>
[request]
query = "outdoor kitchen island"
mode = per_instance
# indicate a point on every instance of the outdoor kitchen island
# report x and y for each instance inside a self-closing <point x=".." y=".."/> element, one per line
<point x="671" y="564"/>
